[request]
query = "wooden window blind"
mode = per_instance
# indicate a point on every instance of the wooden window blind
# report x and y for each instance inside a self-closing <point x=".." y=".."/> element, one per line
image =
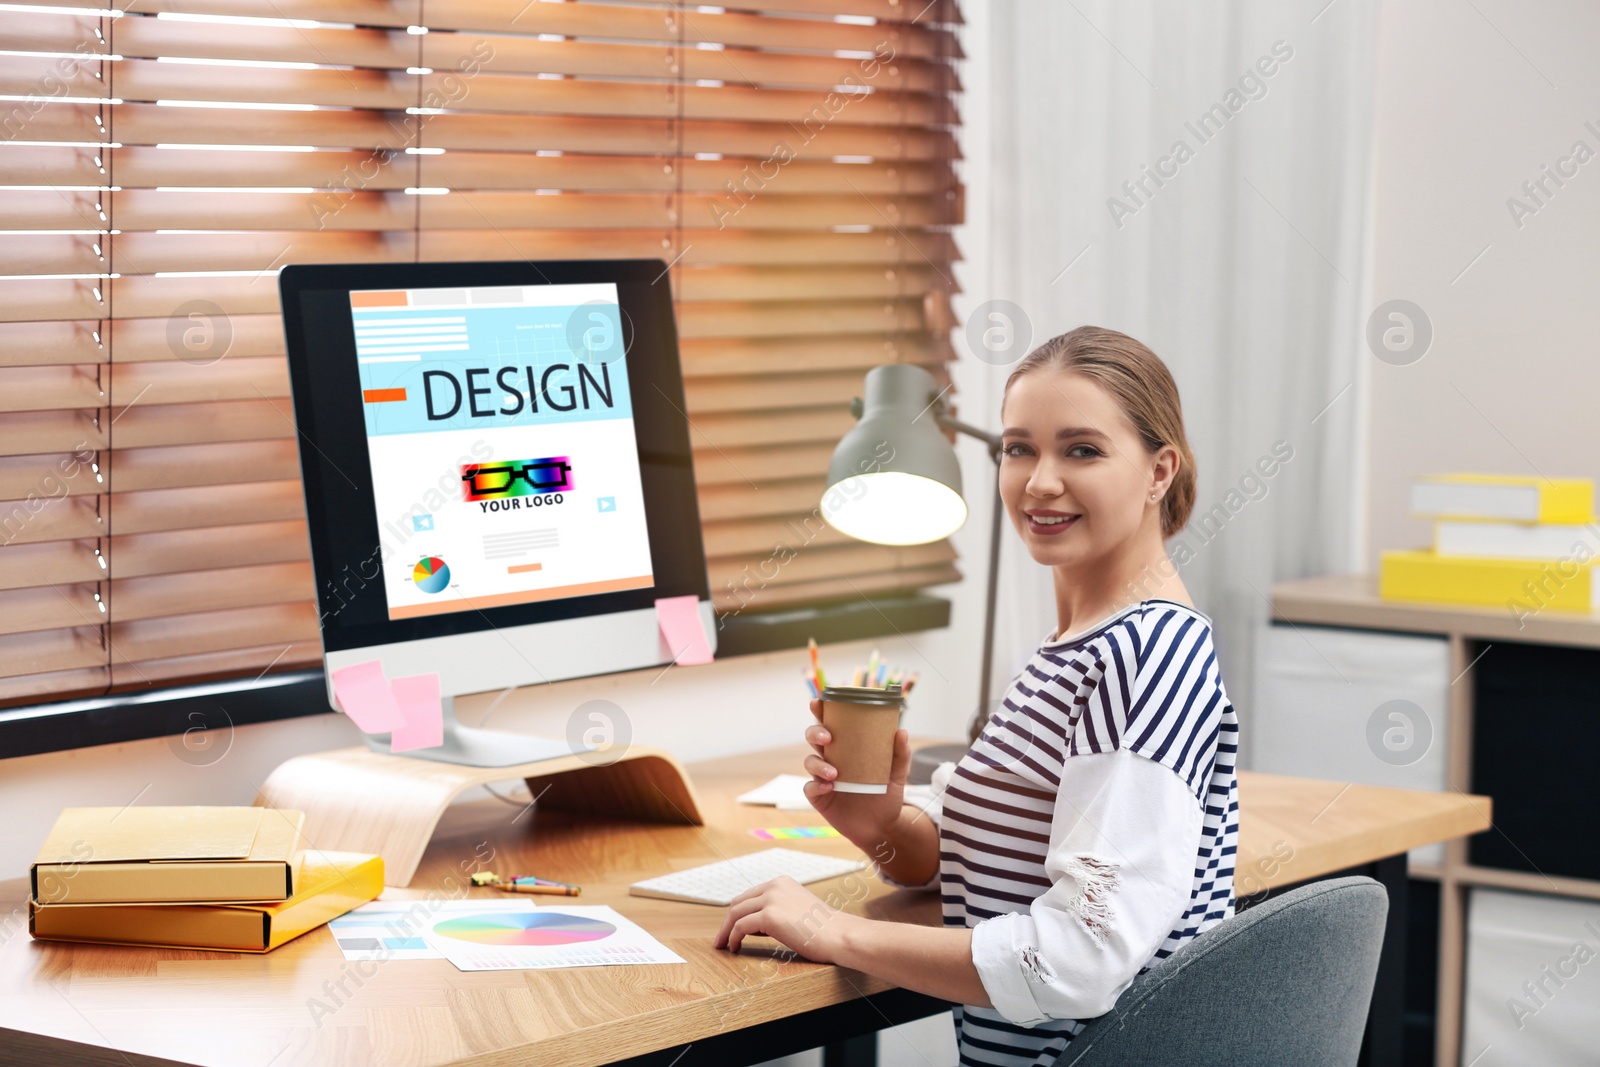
<point x="160" y="161"/>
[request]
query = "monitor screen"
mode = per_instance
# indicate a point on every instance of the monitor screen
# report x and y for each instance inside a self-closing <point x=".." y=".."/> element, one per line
<point x="491" y="447"/>
<point x="500" y="435"/>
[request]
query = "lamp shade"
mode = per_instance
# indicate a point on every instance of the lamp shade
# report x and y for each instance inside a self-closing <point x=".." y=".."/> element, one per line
<point x="894" y="478"/>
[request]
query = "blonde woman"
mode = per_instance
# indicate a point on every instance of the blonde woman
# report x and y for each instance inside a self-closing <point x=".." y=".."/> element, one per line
<point x="1090" y="830"/>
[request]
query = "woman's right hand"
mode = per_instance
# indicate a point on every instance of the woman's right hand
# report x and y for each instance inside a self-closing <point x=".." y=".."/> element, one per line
<point x="866" y="819"/>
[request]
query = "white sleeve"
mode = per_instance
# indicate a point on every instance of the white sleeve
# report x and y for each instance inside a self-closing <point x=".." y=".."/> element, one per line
<point x="933" y="810"/>
<point x="1123" y="840"/>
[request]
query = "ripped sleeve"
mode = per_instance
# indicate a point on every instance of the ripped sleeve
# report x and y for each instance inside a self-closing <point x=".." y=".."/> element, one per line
<point x="1123" y="842"/>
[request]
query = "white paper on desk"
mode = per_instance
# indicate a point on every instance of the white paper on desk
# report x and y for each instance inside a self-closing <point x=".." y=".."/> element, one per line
<point x="520" y="936"/>
<point x="786" y="792"/>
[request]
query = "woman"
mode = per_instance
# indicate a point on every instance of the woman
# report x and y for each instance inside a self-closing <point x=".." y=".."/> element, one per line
<point x="1090" y="829"/>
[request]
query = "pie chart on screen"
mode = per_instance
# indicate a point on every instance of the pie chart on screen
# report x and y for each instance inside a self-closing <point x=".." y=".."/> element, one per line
<point x="431" y="574"/>
<point x="525" y="928"/>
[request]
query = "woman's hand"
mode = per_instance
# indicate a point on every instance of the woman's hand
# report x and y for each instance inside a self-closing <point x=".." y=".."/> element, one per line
<point x="924" y="959"/>
<point x="786" y="911"/>
<point x="866" y="819"/>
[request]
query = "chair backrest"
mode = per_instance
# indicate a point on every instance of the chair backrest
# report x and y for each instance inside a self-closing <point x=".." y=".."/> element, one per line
<point x="1288" y="981"/>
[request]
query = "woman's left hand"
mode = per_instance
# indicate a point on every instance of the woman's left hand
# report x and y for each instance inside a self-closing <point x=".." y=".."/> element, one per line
<point x="788" y="912"/>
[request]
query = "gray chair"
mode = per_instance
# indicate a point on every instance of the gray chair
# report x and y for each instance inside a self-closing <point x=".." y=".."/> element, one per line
<point x="1285" y="982"/>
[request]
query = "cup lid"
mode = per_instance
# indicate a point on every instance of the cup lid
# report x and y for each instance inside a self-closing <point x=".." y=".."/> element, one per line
<point x="860" y="694"/>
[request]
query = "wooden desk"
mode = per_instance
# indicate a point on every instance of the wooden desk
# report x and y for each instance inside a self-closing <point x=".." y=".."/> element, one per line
<point x="96" y="1004"/>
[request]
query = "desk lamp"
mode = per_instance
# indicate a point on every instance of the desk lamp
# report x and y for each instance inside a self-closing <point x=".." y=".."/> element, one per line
<point x="894" y="480"/>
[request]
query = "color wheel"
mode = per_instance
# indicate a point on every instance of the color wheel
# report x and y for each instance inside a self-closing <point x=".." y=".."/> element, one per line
<point x="526" y="928"/>
<point x="431" y="574"/>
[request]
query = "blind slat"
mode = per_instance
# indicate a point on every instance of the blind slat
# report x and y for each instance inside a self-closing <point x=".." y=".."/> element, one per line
<point x="47" y="518"/>
<point x="149" y="124"/>
<point x="143" y="429"/>
<point x="50" y="650"/>
<point x="246" y="662"/>
<point x="149" y="80"/>
<point x="751" y="537"/>
<point x="64" y="607"/>
<point x="725" y="466"/>
<point x="737" y="600"/>
<point x="388" y="49"/>
<point x="57" y="563"/>
<point x="156" y="209"/>
<point x="752" y="577"/>
<point x="50" y="475"/>
<point x="185" y="466"/>
<point x="159" y="510"/>
<point x="212" y="631"/>
<point x="722" y="431"/>
<point x="614" y="21"/>
<point x="145" y="167"/>
<point x="204" y="591"/>
<point x="142" y="555"/>
<point x="32" y="433"/>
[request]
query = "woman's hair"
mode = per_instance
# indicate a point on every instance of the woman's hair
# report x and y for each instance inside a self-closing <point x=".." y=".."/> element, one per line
<point x="1139" y="382"/>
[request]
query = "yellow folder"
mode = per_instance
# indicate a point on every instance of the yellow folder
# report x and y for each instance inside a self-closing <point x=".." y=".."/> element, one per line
<point x="165" y="854"/>
<point x="1524" y="585"/>
<point x="331" y="883"/>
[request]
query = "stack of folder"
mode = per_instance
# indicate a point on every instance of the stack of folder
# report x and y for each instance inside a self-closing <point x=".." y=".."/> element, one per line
<point x="1523" y="543"/>
<point x="226" y="878"/>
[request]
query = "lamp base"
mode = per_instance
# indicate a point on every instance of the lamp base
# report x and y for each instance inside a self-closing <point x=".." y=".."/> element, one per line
<point x="925" y="760"/>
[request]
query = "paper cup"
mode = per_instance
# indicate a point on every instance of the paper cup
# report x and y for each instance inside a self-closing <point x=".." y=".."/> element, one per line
<point x="862" y="722"/>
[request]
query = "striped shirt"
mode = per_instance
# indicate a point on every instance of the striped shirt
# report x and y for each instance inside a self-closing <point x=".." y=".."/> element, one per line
<point x="1077" y="877"/>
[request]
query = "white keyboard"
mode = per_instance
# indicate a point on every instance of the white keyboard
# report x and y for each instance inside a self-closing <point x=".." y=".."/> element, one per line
<point x="719" y="883"/>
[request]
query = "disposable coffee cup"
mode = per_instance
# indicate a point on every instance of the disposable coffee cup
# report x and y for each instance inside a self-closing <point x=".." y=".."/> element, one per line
<point x="862" y="722"/>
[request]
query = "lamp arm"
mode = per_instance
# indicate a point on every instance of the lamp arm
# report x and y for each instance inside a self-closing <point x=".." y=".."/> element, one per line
<point x="992" y="441"/>
<point x="950" y="422"/>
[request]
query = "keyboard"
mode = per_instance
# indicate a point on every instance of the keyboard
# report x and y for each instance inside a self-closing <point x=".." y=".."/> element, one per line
<point x="719" y="883"/>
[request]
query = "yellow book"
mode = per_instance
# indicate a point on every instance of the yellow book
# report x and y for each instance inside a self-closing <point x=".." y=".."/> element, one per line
<point x="1521" y="498"/>
<point x="1523" y="585"/>
<point x="156" y="854"/>
<point x="331" y="883"/>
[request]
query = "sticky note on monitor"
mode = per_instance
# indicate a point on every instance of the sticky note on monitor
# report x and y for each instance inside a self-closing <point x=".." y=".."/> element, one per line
<point x="418" y="697"/>
<point x="685" y="634"/>
<point x="363" y="693"/>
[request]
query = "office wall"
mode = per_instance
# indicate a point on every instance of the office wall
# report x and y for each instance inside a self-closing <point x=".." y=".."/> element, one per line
<point x="1474" y="100"/>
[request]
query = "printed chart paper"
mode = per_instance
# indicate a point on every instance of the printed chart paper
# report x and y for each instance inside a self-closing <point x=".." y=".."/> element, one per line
<point x="490" y="935"/>
<point x="387" y="930"/>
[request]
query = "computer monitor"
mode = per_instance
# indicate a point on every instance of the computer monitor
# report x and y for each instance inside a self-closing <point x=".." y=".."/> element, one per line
<point x="497" y="473"/>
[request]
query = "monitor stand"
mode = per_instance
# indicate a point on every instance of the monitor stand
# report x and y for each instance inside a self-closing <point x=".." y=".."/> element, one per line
<point x="359" y="800"/>
<point x="469" y="746"/>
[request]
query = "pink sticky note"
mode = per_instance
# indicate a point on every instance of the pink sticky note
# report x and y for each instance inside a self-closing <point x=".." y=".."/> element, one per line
<point x="363" y="694"/>
<point x="418" y="697"/>
<point x="679" y="619"/>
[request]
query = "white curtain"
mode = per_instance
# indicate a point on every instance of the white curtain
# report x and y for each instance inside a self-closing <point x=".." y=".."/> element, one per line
<point x="1238" y="258"/>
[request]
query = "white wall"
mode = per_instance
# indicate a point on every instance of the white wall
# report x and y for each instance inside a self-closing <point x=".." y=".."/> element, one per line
<point x="1473" y="100"/>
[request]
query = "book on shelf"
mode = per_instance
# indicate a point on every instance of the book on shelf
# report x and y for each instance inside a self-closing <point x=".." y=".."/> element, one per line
<point x="1550" y="541"/>
<point x="331" y="883"/>
<point x="1526" y="584"/>
<point x="1518" y="498"/>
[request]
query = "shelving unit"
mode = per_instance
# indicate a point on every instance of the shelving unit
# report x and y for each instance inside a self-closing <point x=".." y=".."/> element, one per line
<point x="1352" y="601"/>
